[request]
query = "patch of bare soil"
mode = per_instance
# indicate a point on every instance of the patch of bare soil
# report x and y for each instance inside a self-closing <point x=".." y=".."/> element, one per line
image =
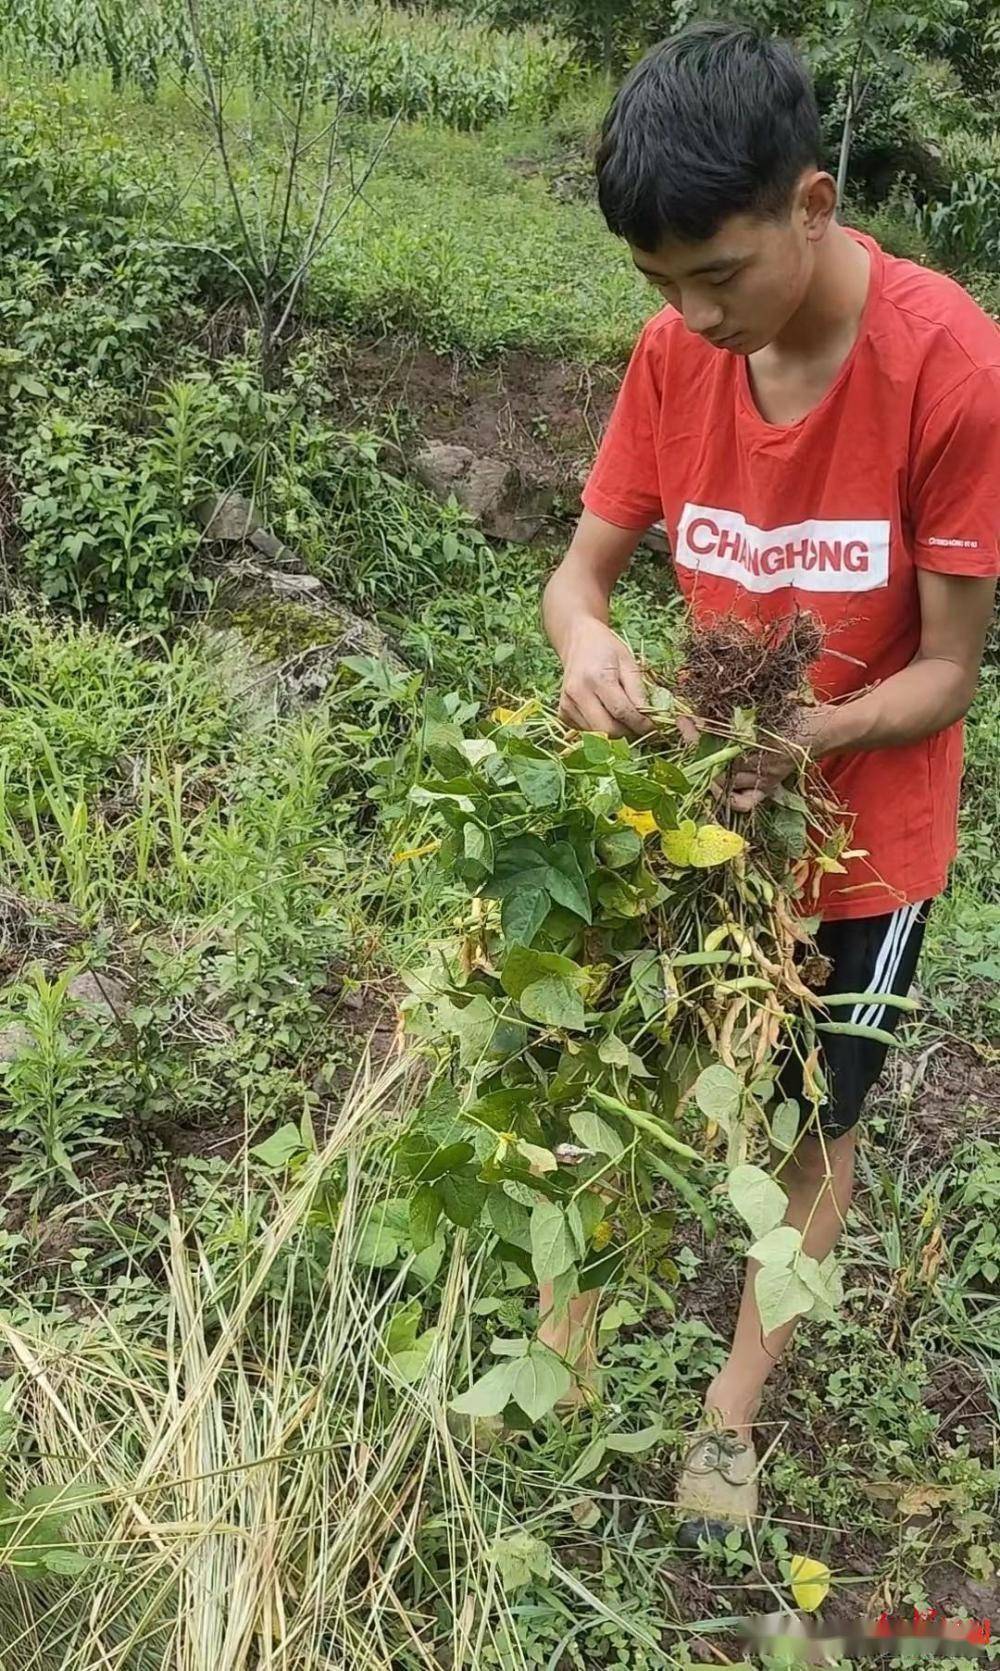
<point x="956" y="1098"/>
<point x="543" y="415"/>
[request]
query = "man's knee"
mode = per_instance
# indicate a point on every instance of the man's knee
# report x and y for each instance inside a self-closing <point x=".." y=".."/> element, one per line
<point x="815" y="1158"/>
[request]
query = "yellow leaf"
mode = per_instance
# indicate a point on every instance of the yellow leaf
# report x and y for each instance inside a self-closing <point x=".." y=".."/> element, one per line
<point x="415" y="852"/>
<point x="702" y="846"/>
<point x="830" y="867"/>
<point x="515" y="716"/>
<point x="714" y="845"/>
<point x="539" y="1160"/>
<point x="602" y="1235"/>
<point x="676" y="844"/>
<point x="810" y="1582"/>
<point x="643" y="823"/>
<point x="923" y="1499"/>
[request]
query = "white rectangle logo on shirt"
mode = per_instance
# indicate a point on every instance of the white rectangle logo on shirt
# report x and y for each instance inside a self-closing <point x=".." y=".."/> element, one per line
<point x="814" y="556"/>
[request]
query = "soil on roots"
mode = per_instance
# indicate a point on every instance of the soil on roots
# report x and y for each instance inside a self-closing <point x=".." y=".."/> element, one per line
<point x="729" y="665"/>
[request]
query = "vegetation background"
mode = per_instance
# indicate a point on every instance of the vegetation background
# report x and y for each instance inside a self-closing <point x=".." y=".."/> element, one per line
<point x="275" y="251"/>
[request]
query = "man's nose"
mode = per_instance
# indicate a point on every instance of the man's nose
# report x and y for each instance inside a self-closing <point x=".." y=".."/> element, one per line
<point x="701" y="314"/>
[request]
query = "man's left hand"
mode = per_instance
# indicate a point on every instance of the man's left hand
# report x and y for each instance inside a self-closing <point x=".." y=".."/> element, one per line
<point x="756" y="775"/>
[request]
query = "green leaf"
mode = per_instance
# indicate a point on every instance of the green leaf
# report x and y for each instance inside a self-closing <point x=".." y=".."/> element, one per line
<point x="378" y="1244"/>
<point x="785" y="1124"/>
<point x="411" y="1363"/>
<point x="619" y="848"/>
<point x="757" y="1198"/>
<point x="522" y="967"/>
<point x="719" y="1092"/>
<point x="490" y="1394"/>
<point x="425" y="1266"/>
<point x="565" y="1288"/>
<point x="463" y="1198"/>
<point x="596" y="1134"/>
<point x="539" y="1160"/>
<point x="789" y="830"/>
<point x="522" y="915"/>
<point x="541" y="782"/>
<point x="555" y="1002"/>
<point x="515" y="1348"/>
<point x="553" y="870"/>
<point x="634" y="1444"/>
<point x="591" y="1209"/>
<point x="539" y="1380"/>
<point x="425" y="1210"/>
<point x="477" y="848"/>
<point x="401" y="1333"/>
<point x="781" y="1295"/>
<point x="68" y="1563"/>
<point x="574" y="1221"/>
<point x="614" y="1052"/>
<point x="650" y="985"/>
<point x="282" y="1146"/>
<point x="521" y="1557"/>
<point x="622" y="1314"/>
<point x="510" y="1220"/>
<point x="474" y="1024"/>
<point x="778" y="1247"/>
<point x="567" y="885"/>
<point x="421" y="1159"/>
<point x="590" y="1458"/>
<point x="443" y="743"/>
<point x="552" y="1247"/>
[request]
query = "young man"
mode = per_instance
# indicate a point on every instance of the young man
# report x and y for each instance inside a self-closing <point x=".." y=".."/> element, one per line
<point x="818" y="425"/>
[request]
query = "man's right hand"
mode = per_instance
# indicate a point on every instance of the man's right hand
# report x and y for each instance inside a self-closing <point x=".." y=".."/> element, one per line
<point x="602" y="687"/>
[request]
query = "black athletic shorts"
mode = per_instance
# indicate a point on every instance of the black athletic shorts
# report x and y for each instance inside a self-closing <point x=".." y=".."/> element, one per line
<point x="868" y="954"/>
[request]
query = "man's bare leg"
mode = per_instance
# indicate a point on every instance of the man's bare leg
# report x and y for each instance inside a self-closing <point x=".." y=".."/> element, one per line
<point x="817" y="1205"/>
<point x="572" y="1332"/>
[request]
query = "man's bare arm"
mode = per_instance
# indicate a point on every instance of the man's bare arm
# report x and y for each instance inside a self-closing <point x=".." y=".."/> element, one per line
<point x="928" y="695"/>
<point x="602" y="686"/>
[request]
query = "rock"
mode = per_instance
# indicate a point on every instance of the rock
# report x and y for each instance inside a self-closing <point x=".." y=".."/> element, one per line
<point x="99" y="991"/>
<point x="655" y="539"/>
<point x="298" y="586"/>
<point x="13" y="1039"/>
<point x="441" y="465"/>
<point x="227" y="517"/>
<point x="492" y="489"/>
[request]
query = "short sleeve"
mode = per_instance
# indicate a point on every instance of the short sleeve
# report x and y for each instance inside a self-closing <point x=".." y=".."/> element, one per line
<point x="624" y="486"/>
<point x="955" y="480"/>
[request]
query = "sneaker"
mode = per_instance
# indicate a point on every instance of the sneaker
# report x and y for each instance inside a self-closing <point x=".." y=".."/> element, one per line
<point x="717" y="1489"/>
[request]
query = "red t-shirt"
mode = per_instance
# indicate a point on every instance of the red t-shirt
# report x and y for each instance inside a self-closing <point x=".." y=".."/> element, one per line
<point x="896" y="469"/>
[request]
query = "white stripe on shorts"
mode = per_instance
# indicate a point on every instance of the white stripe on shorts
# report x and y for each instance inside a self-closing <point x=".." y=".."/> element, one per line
<point x="890" y="940"/>
<point x="874" y="1015"/>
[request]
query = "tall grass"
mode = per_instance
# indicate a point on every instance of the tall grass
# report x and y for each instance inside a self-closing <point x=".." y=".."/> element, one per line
<point x="264" y="1490"/>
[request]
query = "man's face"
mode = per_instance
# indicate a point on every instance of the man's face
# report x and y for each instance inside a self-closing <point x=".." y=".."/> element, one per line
<point x="739" y="288"/>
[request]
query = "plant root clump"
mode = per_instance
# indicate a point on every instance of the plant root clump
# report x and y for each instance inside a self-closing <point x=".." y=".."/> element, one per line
<point x="729" y="665"/>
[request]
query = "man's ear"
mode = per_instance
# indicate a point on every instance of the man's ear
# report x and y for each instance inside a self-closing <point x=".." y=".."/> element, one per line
<point x="817" y="202"/>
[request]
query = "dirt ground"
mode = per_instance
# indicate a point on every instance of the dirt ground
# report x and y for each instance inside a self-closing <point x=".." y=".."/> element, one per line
<point x="544" y="415"/>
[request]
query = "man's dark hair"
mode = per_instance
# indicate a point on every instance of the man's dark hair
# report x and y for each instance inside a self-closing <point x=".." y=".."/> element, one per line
<point x="717" y="120"/>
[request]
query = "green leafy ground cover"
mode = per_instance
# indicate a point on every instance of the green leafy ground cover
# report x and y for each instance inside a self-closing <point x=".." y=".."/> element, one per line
<point x="225" y="1427"/>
